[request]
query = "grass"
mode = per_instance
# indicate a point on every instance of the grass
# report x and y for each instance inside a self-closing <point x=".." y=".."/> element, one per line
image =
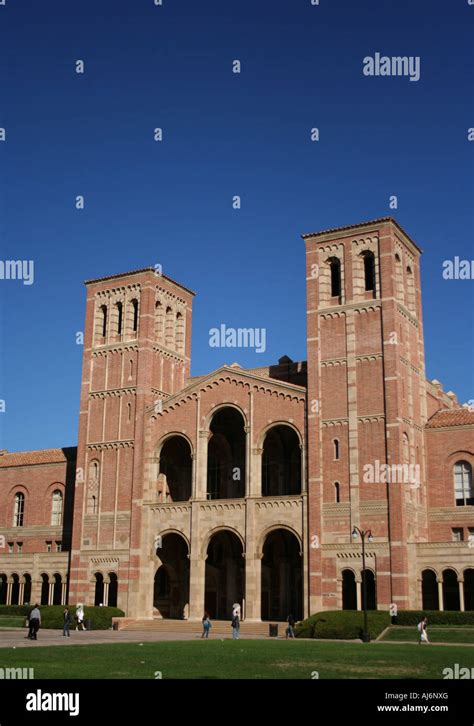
<point x="436" y="634"/>
<point x="228" y="659"/>
<point x="12" y="621"/>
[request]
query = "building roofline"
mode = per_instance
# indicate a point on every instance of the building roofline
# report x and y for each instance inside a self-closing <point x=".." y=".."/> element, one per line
<point x="348" y="227"/>
<point x="137" y="272"/>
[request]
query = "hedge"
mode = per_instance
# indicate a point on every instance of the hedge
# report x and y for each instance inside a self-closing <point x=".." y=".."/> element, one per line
<point x="52" y="615"/>
<point x="435" y="617"/>
<point x="342" y="624"/>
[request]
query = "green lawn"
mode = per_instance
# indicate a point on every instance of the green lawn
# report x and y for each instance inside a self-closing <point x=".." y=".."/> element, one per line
<point x="436" y="634"/>
<point x="12" y="621"/>
<point x="238" y="659"/>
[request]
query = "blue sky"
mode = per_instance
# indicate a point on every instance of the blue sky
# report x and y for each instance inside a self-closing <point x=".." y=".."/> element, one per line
<point x="225" y="134"/>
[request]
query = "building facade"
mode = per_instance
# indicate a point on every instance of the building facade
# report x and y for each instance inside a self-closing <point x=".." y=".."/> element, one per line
<point x="249" y="485"/>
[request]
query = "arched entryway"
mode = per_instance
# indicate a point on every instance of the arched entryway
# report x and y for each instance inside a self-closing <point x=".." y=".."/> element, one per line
<point x="451" y="598"/>
<point x="226" y="455"/>
<point x="176" y="467"/>
<point x="429" y="590"/>
<point x="57" y="589"/>
<point x="225" y="574"/>
<point x="44" y="589"/>
<point x="469" y="589"/>
<point x="171" y="585"/>
<point x="99" y="589"/>
<point x="113" y="590"/>
<point x="282" y="576"/>
<point x="26" y="589"/>
<point x="3" y="589"/>
<point x="15" y="598"/>
<point x="349" y="590"/>
<point x="371" y="591"/>
<point x="281" y="462"/>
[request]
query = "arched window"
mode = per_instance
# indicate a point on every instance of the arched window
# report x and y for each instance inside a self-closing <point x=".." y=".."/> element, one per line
<point x="179" y="333"/>
<point x="119" y="307"/>
<point x="169" y="328"/>
<point x="103" y="309"/>
<point x="94" y="470"/>
<point x="129" y="411"/>
<point x="159" y="321"/>
<point x="93" y="504"/>
<point x="336" y="449"/>
<point x="335" y="267"/>
<point x="337" y="491"/>
<point x="135" y="315"/>
<point x="369" y="271"/>
<point x="57" y="508"/>
<point x="19" y="510"/>
<point x="463" y="489"/>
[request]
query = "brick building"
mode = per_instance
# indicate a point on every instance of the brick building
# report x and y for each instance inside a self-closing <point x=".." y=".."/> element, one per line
<point x="245" y="485"/>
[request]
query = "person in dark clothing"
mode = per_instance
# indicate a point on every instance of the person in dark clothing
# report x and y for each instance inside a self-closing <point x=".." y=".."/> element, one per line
<point x="35" y="622"/>
<point x="290" y="631"/>
<point x="67" y="622"/>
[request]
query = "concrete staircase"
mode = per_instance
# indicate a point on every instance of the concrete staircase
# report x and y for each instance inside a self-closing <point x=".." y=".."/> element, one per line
<point x="219" y="627"/>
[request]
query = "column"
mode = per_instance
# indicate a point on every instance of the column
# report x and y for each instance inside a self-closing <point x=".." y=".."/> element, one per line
<point x="9" y="593"/>
<point x="359" y="593"/>
<point x="21" y="593"/>
<point x="51" y="593"/>
<point x="197" y="578"/>
<point x="440" y="594"/>
<point x="63" y="593"/>
<point x="248" y="464"/>
<point x="105" y="597"/>
<point x="461" y="595"/>
<point x="201" y="477"/>
<point x="253" y="586"/>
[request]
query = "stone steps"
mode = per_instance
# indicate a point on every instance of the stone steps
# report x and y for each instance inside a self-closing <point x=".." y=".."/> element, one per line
<point x="219" y="627"/>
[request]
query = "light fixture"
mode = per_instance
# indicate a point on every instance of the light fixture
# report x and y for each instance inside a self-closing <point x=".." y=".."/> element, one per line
<point x="354" y="533"/>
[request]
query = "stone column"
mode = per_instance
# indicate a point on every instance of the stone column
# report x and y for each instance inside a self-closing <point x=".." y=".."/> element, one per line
<point x="461" y="595"/>
<point x="21" y="593"/>
<point x="253" y="586"/>
<point x="63" y="593"/>
<point x="9" y="593"/>
<point x="248" y="459"/>
<point x="105" y="597"/>
<point x="201" y="466"/>
<point x="359" y="593"/>
<point x="440" y="594"/>
<point x="51" y="593"/>
<point x="197" y="576"/>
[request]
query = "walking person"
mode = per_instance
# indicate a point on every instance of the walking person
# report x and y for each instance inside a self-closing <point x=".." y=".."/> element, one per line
<point x="66" y="622"/>
<point x="290" y="631"/>
<point x="422" y="629"/>
<point x="206" y="625"/>
<point x="35" y="622"/>
<point x="235" y="627"/>
<point x="80" y="618"/>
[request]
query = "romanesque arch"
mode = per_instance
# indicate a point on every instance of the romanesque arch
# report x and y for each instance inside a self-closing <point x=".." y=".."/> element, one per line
<point x="171" y="582"/>
<point x="226" y="454"/>
<point x="281" y="461"/>
<point x="282" y="575"/>
<point x="349" y="590"/>
<point x="175" y="471"/>
<point x="429" y="590"/>
<point x="224" y="573"/>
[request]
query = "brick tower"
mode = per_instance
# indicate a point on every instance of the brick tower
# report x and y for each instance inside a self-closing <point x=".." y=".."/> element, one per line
<point x="366" y="408"/>
<point x="137" y="346"/>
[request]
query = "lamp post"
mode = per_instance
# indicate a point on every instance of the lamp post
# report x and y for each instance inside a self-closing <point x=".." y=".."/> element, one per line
<point x="356" y="532"/>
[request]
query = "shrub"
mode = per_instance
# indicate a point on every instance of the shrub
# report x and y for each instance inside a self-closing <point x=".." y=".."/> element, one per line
<point x="52" y="615"/>
<point x="435" y="617"/>
<point x="342" y="624"/>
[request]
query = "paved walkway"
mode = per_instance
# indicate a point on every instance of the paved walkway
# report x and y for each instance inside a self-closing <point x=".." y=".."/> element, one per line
<point x="16" y="638"/>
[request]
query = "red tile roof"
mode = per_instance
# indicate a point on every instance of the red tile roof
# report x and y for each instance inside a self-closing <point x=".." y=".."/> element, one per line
<point x="44" y="456"/>
<point x="451" y="417"/>
<point x="137" y="272"/>
<point x="362" y="224"/>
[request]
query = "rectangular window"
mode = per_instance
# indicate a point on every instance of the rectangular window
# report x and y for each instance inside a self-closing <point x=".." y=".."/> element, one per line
<point x="19" y="547"/>
<point x="10" y="548"/>
<point x="457" y="534"/>
<point x="59" y="546"/>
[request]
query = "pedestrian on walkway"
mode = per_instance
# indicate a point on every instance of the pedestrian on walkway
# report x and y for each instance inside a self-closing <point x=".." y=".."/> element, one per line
<point x="290" y="631"/>
<point x="235" y="627"/>
<point x="206" y="625"/>
<point x="80" y="618"/>
<point x="66" y="622"/>
<point x="422" y="629"/>
<point x="35" y="622"/>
